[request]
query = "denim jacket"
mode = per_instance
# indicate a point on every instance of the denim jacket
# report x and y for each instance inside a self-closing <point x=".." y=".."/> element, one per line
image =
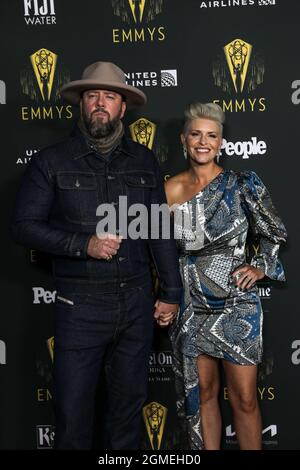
<point x="56" y="213"/>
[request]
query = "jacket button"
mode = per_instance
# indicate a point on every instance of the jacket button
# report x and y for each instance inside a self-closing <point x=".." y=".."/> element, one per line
<point x="123" y="284"/>
<point x="110" y="177"/>
<point x="121" y="258"/>
<point x="78" y="253"/>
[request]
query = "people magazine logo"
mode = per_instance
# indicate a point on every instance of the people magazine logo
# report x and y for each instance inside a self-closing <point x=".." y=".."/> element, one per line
<point x="162" y="78"/>
<point x="39" y="12"/>
<point x="41" y="295"/>
<point x="139" y="21"/>
<point x="238" y="71"/>
<point x="237" y="3"/>
<point x="41" y="81"/>
<point x="244" y="149"/>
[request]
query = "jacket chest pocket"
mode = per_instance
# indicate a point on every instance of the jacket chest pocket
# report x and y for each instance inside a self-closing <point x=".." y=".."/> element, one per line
<point x="138" y="186"/>
<point x="78" y="197"/>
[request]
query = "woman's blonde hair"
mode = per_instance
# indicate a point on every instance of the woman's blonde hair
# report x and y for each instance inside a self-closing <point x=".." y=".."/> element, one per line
<point x="198" y="110"/>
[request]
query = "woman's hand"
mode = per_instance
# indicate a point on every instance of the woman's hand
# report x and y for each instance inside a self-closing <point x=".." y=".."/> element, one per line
<point x="245" y="276"/>
<point x="165" y="313"/>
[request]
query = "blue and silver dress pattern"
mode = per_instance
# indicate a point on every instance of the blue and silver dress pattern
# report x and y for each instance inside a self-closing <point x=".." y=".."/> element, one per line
<point x="215" y="317"/>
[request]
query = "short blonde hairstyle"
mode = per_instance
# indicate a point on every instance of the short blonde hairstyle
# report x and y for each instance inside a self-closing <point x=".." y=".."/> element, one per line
<point x="198" y="110"/>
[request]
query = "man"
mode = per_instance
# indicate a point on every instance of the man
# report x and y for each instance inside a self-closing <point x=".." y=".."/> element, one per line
<point x="104" y="304"/>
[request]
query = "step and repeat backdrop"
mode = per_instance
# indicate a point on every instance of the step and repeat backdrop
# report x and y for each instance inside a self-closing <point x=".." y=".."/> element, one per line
<point x="241" y="54"/>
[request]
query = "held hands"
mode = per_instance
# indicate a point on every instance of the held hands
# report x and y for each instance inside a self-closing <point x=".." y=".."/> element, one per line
<point x="165" y="313"/>
<point x="104" y="246"/>
<point x="245" y="276"/>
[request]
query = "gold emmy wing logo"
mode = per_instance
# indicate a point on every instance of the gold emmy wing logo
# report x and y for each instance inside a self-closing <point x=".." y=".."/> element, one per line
<point x="155" y="416"/>
<point x="137" y="9"/>
<point x="143" y="132"/>
<point x="43" y="63"/>
<point x="50" y="346"/>
<point x="238" y="53"/>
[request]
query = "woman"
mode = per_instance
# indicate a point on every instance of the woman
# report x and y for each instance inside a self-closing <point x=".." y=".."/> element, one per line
<point x="220" y="317"/>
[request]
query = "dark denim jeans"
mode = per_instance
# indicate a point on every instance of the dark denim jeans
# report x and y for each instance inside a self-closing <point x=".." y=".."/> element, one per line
<point x="113" y="331"/>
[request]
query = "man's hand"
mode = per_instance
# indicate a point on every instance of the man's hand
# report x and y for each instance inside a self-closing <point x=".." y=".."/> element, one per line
<point x="165" y="313"/>
<point x="104" y="246"/>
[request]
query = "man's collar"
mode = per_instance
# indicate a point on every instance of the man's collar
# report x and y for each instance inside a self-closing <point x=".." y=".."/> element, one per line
<point x="80" y="148"/>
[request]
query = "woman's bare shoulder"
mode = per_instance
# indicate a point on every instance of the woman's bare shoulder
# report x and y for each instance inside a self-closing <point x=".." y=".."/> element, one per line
<point x="174" y="187"/>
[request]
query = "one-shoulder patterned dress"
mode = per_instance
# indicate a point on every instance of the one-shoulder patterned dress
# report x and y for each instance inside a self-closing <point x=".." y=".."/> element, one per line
<point x="216" y="318"/>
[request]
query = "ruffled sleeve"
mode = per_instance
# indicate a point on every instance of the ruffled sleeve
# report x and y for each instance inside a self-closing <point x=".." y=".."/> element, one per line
<point x="265" y="224"/>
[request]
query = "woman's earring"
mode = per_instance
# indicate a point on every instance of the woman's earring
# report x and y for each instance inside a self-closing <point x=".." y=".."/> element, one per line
<point x="218" y="156"/>
<point x="185" y="152"/>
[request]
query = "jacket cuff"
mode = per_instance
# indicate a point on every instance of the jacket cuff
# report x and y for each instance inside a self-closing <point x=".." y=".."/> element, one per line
<point x="79" y="244"/>
<point x="170" y="295"/>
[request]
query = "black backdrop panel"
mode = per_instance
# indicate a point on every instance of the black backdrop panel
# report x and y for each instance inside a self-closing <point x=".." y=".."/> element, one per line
<point x="175" y="52"/>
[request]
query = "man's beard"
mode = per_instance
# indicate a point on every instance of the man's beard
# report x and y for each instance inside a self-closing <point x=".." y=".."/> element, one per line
<point x="98" y="129"/>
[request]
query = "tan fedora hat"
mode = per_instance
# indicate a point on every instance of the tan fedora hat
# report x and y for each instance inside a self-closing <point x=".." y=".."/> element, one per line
<point x="103" y="76"/>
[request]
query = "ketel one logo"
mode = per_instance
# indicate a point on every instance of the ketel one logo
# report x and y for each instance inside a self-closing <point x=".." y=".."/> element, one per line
<point x="50" y="346"/>
<point x="137" y="9"/>
<point x="241" y="63"/>
<point x="143" y="132"/>
<point x="155" y="416"/>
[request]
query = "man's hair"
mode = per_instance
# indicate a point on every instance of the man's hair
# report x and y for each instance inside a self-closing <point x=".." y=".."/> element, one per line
<point x="198" y="110"/>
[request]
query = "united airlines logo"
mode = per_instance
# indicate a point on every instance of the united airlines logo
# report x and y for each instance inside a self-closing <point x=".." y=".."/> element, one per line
<point x="155" y="415"/>
<point x="239" y="71"/>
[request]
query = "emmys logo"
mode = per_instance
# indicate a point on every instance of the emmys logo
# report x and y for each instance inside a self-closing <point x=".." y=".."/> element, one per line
<point x="295" y="357"/>
<point x="164" y="78"/>
<point x="45" y="436"/>
<point x="155" y="415"/>
<point x="2" y="92"/>
<point x="296" y="94"/>
<point x="44" y="63"/>
<point x="26" y="159"/>
<point x="244" y="149"/>
<point x="143" y="132"/>
<point x="50" y="346"/>
<point x="38" y="12"/>
<point x="42" y="82"/>
<point x="2" y="352"/>
<point x="137" y="13"/>
<point x="239" y="71"/>
<point x="146" y="133"/>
